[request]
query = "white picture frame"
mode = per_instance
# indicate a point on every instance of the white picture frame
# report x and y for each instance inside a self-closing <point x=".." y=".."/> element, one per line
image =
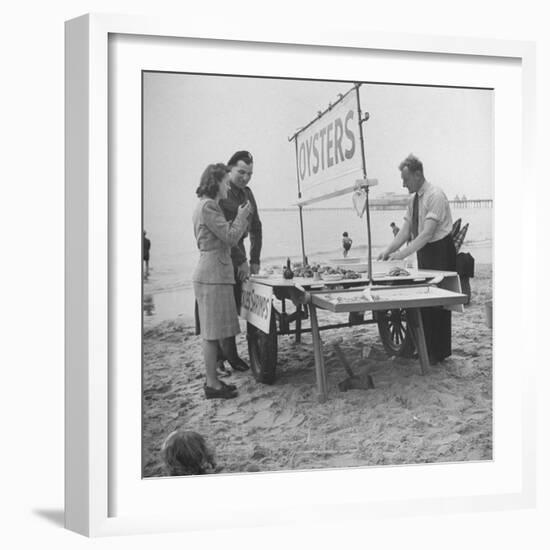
<point x="91" y="438"/>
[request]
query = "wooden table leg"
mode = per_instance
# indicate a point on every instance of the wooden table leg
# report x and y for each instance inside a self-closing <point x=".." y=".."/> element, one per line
<point x="420" y="338"/>
<point x="320" y="371"/>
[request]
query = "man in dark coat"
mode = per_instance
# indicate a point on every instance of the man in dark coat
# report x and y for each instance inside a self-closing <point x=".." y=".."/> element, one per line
<point x="241" y="167"/>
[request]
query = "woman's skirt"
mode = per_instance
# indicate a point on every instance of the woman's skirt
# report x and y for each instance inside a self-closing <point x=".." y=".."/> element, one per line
<point x="215" y="311"/>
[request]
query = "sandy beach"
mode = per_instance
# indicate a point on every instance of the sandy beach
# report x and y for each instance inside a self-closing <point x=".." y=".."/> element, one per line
<point x="443" y="416"/>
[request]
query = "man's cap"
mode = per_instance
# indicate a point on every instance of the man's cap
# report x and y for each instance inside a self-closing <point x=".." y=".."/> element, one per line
<point x="240" y="155"/>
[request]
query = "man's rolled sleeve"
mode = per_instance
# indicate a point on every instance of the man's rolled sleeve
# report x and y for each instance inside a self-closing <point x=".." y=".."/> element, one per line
<point x="435" y="207"/>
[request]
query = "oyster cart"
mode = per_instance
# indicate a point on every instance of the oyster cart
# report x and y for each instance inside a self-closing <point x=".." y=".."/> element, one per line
<point x="391" y="303"/>
<point x="330" y="162"/>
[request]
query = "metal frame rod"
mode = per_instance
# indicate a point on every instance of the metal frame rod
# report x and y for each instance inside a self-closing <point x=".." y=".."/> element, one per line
<point x="366" y="187"/>
<point x="300" y="206"/>
<point x="304" y="257"/>
<point x="331" y="106"/>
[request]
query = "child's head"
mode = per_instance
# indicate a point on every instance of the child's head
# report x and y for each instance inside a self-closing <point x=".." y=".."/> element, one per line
<point x="345" y="234"/>
<point x="186" y="453"/>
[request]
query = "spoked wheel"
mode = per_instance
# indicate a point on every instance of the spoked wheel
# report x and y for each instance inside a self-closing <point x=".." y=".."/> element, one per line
<point x="262" y="350"/>
<point x="395" y="335"/>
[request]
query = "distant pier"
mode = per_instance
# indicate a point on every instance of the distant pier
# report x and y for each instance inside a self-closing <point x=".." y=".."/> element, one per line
<point x="381" y="204"/>
<point x="474" y="203"/>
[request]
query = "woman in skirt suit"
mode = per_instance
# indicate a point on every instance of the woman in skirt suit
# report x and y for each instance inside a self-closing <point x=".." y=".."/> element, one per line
<point x="213" y="277"/>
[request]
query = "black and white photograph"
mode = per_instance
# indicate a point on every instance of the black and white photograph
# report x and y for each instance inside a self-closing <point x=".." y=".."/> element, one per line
<point x="317" y="274"/>
<point x="275" y="275"/>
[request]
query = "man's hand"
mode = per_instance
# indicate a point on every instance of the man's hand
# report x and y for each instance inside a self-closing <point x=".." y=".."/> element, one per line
<point x="254" y="269"/>
<point x="383" y="256"/>
<point x="243" y="272"/>
<point x="396" y="256"/>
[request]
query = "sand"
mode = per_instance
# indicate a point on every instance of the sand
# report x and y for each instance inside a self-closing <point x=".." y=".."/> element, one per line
<point x="408" y="418"/>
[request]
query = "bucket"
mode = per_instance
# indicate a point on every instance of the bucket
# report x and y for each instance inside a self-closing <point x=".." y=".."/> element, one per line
<point x="489" y="313"/>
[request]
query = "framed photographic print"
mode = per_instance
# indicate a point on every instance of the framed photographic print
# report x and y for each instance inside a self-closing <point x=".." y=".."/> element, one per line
<point x="289" y="279"/>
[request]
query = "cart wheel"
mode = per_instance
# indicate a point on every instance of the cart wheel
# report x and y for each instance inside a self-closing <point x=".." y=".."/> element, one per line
<point x="262" y="350"/>
<point x="392" y="326"/>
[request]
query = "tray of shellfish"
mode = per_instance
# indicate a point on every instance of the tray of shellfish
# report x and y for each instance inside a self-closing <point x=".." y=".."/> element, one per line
<point x="317" y="273"/>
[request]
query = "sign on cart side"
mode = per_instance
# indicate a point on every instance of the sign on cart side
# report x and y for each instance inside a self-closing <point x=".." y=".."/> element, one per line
<point x="256" y="301"/>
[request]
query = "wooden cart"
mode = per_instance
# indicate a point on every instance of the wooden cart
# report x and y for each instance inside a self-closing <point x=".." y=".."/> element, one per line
<point x="395" y="311"/>
<point x="398" y="319"/>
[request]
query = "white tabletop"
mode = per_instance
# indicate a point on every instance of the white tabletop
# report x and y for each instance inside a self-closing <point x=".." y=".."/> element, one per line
<point x="310" y="282"/>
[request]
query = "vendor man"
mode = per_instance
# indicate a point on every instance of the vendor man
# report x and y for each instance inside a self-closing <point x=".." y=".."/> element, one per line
<point x="241" y="167"/>
<point x="428" y="223"/>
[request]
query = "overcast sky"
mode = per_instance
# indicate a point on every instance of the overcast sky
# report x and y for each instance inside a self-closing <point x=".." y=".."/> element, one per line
<point x="193" y="120"/>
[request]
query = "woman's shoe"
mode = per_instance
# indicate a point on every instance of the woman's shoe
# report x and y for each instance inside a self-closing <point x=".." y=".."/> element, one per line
<point x="232" y="386"/>
<point x="225" y="392"/>
<point x="239" y="364"/>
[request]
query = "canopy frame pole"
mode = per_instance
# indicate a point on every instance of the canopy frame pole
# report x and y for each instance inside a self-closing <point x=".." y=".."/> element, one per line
<point x="365" y="185"/>
<point x="304" y="257"/>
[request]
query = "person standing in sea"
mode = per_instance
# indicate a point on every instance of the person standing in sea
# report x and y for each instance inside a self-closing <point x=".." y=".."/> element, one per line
<point x="146" y="250"/>
<point x="213" y="278"/>
<point x="428" y="222"/>
<point x="241" y="166"/>
<point x="346" y="243"/>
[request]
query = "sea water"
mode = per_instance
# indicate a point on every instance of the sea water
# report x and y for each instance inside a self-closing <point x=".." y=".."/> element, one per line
<point x="174" y="255"/>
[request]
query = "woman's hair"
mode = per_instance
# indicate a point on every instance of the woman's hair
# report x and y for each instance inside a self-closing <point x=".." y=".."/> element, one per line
<point x="210" y="180"/>
<point x="185" y="453"/>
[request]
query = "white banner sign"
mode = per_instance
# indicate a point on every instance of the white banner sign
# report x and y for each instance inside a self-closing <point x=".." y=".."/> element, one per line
<point x="328" y="153"/>
<point x="256" y="300"/>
